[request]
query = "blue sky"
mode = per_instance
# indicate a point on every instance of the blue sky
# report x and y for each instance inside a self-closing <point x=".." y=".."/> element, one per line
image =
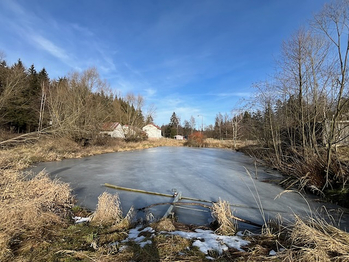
<point x="192" y="57"/>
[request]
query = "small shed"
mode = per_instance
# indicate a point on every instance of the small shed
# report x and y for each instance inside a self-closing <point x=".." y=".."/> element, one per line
<point x="114" y="129"/>
<point x="152" y="131"/>
<point x="178" y="137"/>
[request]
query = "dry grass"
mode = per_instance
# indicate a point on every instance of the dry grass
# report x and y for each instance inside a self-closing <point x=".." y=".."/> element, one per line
<point x="29" y="207"/>
<point x="108" y="210"/>
<point x="222" y="212"/>
<point x="164" y="225"/>
<point x="216" y="143"/>
<point x="316" y="240"/>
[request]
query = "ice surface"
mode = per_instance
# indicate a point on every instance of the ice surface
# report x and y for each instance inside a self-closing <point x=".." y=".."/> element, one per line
<point x="203" y="173"/>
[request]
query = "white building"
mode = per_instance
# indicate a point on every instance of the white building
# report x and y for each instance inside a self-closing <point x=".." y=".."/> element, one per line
<point x="152" y="131"/>
<point x="113" y="129"/>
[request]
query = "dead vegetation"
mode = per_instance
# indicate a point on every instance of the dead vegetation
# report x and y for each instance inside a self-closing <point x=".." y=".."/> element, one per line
<point x="29" y="208"/>
<point x="224" y="215"/>
<point x="108" y="211"/>
<point x="229" y="144"/>
<point x="316" y="240"/>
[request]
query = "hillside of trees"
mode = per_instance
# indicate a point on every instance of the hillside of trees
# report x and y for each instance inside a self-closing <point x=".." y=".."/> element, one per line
<point x="74" y="106"/>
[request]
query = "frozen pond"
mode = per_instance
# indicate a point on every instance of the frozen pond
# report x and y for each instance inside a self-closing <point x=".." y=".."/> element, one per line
<point x="200" y="173"/>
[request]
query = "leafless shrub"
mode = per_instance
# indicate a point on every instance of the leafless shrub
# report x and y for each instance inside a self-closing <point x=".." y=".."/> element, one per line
<point x="108" y="210"/>
<point x="222" y="212"/>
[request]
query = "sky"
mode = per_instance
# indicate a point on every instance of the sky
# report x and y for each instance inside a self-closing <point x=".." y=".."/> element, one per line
<point x="192" y="57"/>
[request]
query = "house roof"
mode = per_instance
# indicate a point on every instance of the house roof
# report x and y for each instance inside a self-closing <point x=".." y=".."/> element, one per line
<point x="110" y="126"/>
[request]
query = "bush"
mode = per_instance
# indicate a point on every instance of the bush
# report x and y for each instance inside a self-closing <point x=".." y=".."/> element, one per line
<point x="197" y="139"/>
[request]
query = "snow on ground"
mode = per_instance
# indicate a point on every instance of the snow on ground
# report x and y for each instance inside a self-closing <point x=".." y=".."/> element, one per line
<point x="79" y="220"/>
<point x="205" y="240"/>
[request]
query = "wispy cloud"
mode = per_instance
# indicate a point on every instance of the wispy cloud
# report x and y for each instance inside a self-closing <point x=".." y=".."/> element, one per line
<point x="50" y="47"/>
<point x="233" y="94"/>
<point x="150" y="92"/>
<point x="81" y="29"/>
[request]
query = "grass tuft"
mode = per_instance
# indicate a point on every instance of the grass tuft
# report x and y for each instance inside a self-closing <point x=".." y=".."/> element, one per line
<point x="108" y="210"/>
<point x="164" y="225"/>
<point x="222" y="212"/>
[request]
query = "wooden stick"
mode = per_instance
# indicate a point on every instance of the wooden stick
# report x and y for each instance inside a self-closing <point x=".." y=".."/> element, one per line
<point x="137" y="190"/>
<point x="185" y="198"/>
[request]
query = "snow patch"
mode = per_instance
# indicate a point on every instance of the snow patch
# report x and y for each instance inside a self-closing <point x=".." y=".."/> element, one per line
<point x="79" y="220"/>
<point x="133" y="235"/>
<point x="207" y="240"/>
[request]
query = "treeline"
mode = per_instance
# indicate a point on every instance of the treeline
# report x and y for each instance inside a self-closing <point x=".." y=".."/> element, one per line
<point x="300" y="114"/>
<point x="74" y="105"/>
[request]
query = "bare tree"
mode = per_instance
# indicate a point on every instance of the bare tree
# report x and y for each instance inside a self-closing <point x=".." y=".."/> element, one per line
<point x="333" y="22"/>
<point x="77" y="104"/>
<point x="192" y="124"/>
<point x="235" y="122"/>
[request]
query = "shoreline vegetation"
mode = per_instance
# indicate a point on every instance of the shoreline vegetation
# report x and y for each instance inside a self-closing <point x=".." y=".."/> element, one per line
<point x="36" y="218"/>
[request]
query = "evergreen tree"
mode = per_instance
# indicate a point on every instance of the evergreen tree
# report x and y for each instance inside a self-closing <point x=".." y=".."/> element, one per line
<point x="174" y="121"/>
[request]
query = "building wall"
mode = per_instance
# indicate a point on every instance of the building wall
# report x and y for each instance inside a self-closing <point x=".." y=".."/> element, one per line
<point x="118" y="132"/>
<point x="152" y="131"/>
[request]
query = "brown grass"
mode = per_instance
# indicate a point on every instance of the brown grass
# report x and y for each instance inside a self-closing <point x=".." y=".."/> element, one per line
<point x="316" y="240"/>
<point x="229" y="144"/>
<point x="222" y="212"/>
<point x="28" y="207"/>
<point x="164" y="225"/>
<point x="108" y="210"/>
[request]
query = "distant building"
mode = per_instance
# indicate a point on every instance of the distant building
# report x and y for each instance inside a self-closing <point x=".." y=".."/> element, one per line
<point x="114" y="129"/>
<point x="152" y="131"/>
<point x="178" y="137"/>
